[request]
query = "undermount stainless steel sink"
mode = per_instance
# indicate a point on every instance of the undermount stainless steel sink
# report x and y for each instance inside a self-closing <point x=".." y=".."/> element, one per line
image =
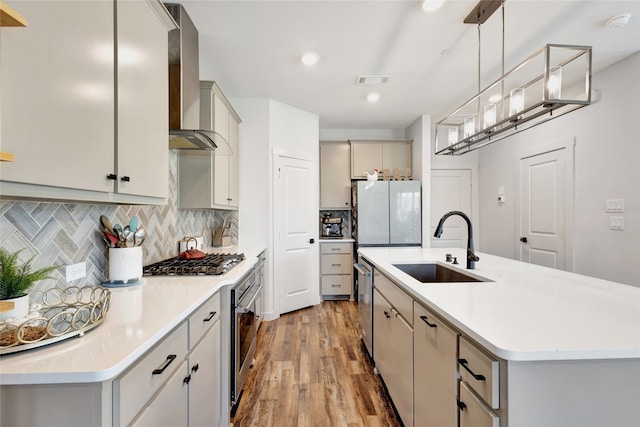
<point x="436" y="273"/>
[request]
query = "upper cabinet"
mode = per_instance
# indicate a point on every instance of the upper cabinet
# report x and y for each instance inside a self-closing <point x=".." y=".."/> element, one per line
<point x="335" y="181"/>
<point x="210" y="178"/>
<point x="392" y="155"/>
<point x="74" y="133"/>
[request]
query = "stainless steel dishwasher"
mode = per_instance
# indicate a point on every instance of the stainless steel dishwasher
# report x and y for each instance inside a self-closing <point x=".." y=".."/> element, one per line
<point x="365" y="302"/>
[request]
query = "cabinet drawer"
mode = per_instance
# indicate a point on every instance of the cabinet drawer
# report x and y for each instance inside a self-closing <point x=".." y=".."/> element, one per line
<point x="481" y="372"/>
<point x="336" y="248"/>
<point x="336" y="264"/>
<point x="136" y="386"/>
<point x="203" y="318"/>
<point x="473" y="412"/>
<point x="402" y="302"/>
<point x="336" y="285"/>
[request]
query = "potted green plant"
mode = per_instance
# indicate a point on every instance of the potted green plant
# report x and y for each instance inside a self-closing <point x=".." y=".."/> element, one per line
<point x="16" y="279"/>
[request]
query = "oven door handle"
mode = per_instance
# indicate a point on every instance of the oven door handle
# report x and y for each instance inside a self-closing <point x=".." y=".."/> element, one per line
<point x="245" y="309"/>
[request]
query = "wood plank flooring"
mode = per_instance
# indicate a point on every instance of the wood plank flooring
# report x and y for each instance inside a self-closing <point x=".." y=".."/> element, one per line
<point x="311" y="370"/>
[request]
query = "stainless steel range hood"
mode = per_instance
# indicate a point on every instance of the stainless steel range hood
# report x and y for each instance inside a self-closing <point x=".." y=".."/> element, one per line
<point x="184" y="88"/>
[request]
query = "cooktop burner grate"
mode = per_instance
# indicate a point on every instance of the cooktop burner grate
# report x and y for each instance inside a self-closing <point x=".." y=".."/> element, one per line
<point x="211" y="264"/>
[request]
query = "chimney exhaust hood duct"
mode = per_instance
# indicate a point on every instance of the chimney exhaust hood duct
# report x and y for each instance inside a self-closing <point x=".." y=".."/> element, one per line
<point x="184" y="88"/>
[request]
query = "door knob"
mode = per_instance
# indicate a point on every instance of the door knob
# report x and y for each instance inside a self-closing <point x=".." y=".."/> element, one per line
<point x="312" y="241"/>
<point x="523" y="239"/>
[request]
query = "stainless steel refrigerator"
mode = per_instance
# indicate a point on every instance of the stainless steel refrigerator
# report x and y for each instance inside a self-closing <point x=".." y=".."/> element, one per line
<point x="386" y="213"/>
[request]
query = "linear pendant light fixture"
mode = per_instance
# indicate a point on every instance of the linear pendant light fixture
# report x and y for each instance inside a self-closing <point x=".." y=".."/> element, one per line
<point x="551" y="82"/>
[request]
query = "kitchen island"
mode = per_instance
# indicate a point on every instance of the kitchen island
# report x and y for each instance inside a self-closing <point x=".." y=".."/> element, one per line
<point x="567" y="346"/>
<point x="75" y="382"/>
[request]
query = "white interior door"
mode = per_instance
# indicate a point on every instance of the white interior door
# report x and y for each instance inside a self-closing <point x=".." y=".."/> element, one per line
<point x="450" y="191"/>
<point x="542" y="206"/>
<point x="296" y="228"/>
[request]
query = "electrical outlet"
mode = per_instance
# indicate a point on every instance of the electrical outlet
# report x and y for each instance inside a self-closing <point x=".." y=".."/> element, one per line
<point x="76" y="271"/>
<point x="616" y="223"/>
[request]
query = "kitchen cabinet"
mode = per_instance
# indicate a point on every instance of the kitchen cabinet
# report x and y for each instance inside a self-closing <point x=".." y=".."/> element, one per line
<point x="336" y="269"/>
<point x="259" y="278"/>
<point x="204" y="360"/>
<point x="74" y="133"/>
<point x="210" y="178"/>
<point x="335" y="175"/>
<point x="393" y="347"/>
<point x="367" y="155"/>
<point x="435" y="347"/>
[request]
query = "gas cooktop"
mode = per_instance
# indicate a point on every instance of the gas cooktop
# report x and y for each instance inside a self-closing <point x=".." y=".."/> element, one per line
<point x="211" y="264"/>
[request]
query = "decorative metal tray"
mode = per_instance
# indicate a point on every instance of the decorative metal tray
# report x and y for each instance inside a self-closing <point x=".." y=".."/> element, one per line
<point x="64" y="313"/>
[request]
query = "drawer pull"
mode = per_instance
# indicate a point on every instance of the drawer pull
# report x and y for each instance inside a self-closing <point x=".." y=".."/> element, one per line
<point x="426" y="320"/>
<point x="187" y="379"/>
<point x="335" y="249"/>
<point x="335" y="265"/>
<point x="211" y="314"/>
<point x="195" y="367"/>
<point x="463" y="363"/>
<point x="170" y="358"/>
<point x="335" y="286"/>
<point x="461" y="405"/>
<point x="387" y="315"/>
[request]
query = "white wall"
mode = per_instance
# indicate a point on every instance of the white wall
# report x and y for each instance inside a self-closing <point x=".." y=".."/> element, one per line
<point x="268" y="125"/>
<point x="607" y="166"/>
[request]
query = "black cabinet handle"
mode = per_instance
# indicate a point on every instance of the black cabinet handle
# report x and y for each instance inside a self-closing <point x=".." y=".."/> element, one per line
<point x="170" y="358"/>
<point x="425" y="320"/>
<point x="187" y="379"/>
<point x="125" y="179"/>
<point x="463" y="363"/>
<point x="112" y="176"/>
<point x="211" y="314"/>
<point x="387" y="315"/>
<point x="461" y="405"/>
<point x="195" y="367"/>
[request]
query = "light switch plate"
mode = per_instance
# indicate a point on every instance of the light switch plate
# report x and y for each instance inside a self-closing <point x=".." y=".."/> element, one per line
<point x="614" y="205"/>
<point x="616" y="223"/>
<point x="76" y="271"/>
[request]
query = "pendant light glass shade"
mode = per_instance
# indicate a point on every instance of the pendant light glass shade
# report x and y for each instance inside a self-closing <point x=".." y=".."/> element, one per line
<point x="556" y="80"/>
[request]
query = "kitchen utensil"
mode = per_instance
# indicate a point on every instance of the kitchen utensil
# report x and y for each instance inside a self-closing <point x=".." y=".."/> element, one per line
<point x="133" y="223"/>
<point x="128" y="237"/>
<point x="113" y="240"/>
<point x="106" y="224"/>
<point x="139" y="236"/>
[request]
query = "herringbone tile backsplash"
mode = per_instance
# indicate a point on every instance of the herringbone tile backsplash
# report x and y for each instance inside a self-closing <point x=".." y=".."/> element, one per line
<point x="67" y="233"/>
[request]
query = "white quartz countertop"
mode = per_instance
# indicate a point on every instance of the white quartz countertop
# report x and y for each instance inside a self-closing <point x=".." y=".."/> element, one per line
<point x="138" y="318"/>
<point x="527" y="312"/>
<point x="330" y="240"/>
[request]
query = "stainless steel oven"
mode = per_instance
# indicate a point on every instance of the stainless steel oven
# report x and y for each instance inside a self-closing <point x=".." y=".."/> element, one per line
<point x="244" y="327"/>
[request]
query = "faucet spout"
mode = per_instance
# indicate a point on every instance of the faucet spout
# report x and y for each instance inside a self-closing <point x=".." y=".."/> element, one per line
<point x="471" y="256"/>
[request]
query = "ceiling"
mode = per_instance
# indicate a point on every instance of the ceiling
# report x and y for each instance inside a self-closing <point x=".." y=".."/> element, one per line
<point x="253" y="49"/>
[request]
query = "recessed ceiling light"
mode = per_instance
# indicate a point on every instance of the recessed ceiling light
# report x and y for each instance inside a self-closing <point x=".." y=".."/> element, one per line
<point x="373" y="97"/>
<point x="310" y="58"/>
<point x="495" y="98"/>
<point x="432" y="5"/>
<point x="618" y="21"/>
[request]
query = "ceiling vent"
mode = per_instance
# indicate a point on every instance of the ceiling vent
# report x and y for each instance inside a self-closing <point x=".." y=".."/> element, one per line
<point x="372" y="80"/>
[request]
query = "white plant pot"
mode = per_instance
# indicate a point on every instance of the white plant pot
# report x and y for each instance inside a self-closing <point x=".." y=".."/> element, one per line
<point x="14" y="308"/>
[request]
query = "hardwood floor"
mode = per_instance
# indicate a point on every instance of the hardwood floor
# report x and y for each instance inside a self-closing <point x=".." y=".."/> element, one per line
<point x="312" y="370"/>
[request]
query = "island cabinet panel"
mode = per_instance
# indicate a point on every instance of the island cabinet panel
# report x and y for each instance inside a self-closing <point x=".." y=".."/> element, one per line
<point x="473" y="411"/>
<point x="435" y="372"/>
<point x="393" y="354"/>
<point x="481" y="372"/>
